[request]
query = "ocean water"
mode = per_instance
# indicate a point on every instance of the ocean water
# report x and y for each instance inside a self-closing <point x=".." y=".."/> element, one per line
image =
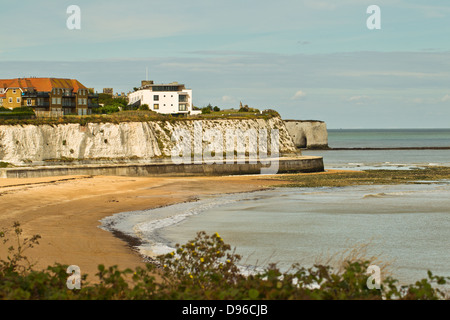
<point x="385" y="159"/>
<point x="388" y="138"/>
<point x="405" y="226"/>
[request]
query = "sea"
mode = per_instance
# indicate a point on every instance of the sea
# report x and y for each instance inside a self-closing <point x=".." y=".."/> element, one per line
<point x="404" y="228"/>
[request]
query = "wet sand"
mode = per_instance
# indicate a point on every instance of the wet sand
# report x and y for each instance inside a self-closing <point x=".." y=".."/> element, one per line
<point x="65" y="212"/>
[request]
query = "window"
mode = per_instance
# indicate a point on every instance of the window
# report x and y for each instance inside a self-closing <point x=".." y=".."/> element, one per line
<point x="10" y="100"/>
<point x="156" y="106"/>
<point x="14" y="91"/>
<point x="18" y="100"/>
<point x="29" y="102"/>
<point x="182" y="107"/>
<point x="156" y="97"/>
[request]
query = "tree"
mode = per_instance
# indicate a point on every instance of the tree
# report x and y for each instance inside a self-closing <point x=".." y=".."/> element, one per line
<point x="206" y="110"/>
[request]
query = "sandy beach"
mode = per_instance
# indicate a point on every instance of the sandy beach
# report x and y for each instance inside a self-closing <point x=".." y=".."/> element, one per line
<point x="65" y="212"/>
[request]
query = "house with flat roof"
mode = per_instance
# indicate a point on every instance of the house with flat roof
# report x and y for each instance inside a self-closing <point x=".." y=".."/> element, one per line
<point x="171" y="98"/>
<point x="47" y="96"/>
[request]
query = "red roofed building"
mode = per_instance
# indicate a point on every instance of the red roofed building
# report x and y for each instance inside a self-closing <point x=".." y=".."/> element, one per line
<point x="47" y="96"/>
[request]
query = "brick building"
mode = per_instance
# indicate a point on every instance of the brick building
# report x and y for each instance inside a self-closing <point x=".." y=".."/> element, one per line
<point x="47" y="96"/>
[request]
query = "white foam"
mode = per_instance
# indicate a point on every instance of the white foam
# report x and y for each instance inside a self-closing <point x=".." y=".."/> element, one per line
<point x="145" y="225"/>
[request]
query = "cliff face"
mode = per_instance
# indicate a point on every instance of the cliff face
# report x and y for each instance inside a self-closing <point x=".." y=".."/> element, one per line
<point x="125" y="141"/>
<point x="308" y="134"/>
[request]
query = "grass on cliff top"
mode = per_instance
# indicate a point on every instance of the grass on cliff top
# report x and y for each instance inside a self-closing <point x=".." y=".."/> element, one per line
<point x="135" y="116"/>
<point x="368" y="177"/>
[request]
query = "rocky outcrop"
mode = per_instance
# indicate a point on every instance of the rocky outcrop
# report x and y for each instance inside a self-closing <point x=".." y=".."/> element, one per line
<point x="22" y="144"/>
<point x="310" y="134"/>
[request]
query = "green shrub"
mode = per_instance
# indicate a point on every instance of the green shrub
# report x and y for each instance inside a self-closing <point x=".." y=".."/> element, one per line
<point x="203" y="268"/>
<point x="4" y="164"/>
<point x="206" y="110"/>
<point x="271" y="112"/>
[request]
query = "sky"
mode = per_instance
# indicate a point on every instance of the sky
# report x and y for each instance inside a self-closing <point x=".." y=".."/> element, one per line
<point x="307" y="59"/>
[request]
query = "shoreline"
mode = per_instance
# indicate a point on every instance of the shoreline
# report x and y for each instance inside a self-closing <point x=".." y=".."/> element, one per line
<point x="137" y="243"/>
<point x="66" y="212"/>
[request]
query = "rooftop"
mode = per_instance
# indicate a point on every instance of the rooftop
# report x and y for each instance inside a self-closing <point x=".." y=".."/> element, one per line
<point x="42" y="84"/>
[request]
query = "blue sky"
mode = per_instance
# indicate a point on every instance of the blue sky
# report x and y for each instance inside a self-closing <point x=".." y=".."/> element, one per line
<point x="308" y="59"/>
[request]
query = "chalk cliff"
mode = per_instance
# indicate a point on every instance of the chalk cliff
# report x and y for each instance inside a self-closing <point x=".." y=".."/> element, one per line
<point x="308" y="134"/>
<point x="22" y="144"/>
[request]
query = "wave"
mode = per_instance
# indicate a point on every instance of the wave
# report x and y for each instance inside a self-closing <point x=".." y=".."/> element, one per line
<point x="145" y="226"/>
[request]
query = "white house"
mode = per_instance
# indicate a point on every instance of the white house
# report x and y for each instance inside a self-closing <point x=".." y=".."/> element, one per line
<point x="171" y="98"/>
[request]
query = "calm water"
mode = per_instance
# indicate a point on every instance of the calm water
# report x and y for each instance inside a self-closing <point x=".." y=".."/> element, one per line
<point x="406" y="226"/>
<point x="388" y="138"/>
<point x="385" y="159"/>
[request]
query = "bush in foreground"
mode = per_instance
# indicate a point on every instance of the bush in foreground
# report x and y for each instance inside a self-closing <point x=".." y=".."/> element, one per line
<point x="204" y="268"/>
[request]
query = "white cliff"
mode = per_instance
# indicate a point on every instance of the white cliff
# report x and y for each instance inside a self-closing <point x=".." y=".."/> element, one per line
<point x="22" y="144"/>
<point x="308" y="134"/>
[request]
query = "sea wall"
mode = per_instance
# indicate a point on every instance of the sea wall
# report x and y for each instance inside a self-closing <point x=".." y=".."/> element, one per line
<point x="279" y="165"/>
<point x="310" y="134"/>
<point x="30" y="144"/>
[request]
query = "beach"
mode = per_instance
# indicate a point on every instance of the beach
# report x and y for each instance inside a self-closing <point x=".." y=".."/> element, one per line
<point x="65" y="211"/>
<point x="69" y="212"/>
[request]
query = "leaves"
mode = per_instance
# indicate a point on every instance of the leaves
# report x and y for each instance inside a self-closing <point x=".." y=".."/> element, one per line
<point x="203" y="268"/>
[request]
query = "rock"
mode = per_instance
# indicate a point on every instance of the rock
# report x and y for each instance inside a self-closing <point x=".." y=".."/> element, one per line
<point x="310" y="134"/>
<point x="27" y="144"/>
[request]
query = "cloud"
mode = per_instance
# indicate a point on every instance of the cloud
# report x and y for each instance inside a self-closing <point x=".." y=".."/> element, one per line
<point x="445" y="98"/>
<point x="228" y="99"/>
<point x="299" y="95"/>
<point x="359" y="100"/>
<point x="418" y="100"/>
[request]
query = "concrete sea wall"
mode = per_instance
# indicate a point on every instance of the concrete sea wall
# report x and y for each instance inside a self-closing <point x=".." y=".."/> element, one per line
<point x="283" y="165"/>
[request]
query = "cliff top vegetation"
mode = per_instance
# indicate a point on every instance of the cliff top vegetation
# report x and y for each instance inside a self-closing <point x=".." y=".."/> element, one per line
<point x="140" y="116"/>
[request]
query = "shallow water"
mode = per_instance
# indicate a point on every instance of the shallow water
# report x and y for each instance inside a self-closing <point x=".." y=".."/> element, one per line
<point x="406" y="226"/>
<point x="381" y="159"/>
<point x="385" y="159"/>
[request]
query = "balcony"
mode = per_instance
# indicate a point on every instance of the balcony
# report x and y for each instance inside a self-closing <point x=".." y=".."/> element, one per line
<point x="183" y="98"/>
<point x="42" y="105"/>
<point x="35" y="94"/>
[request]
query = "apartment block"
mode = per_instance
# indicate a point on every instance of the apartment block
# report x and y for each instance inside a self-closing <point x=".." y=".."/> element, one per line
<point x="47" y="96"/>
<point x="171" y="98"/>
